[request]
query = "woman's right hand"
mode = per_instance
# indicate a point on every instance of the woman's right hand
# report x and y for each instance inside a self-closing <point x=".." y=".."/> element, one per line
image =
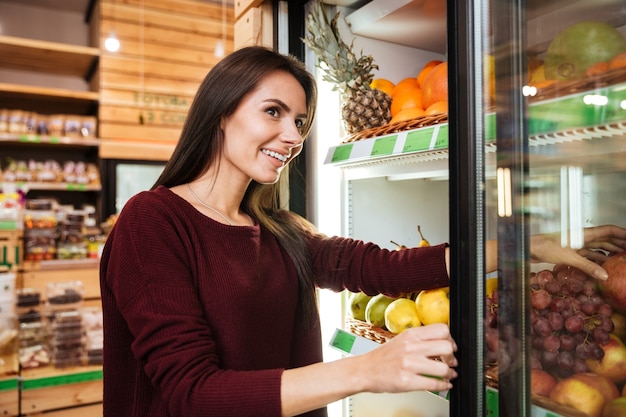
<point x="410" y="360"/>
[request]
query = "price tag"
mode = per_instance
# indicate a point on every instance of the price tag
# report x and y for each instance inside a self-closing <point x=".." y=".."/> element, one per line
<point x="343" y="341"/>
<point x="54" y="139"/>
<point x="30" y="138"/>
<point x="418" y="140"/>
<point x="442" y="137"/>
<point x="76" y="187"/>
<point x="490" y="128"/>
<point x="491" y="402"/>
<point x="384" y="146"/>
<point x="342" y="153"/>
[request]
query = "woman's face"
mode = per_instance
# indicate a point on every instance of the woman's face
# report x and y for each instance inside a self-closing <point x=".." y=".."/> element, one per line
<point x="263" y="134"/>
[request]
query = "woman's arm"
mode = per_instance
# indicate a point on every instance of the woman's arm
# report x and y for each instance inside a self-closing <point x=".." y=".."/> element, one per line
<point x="396" y="366"/>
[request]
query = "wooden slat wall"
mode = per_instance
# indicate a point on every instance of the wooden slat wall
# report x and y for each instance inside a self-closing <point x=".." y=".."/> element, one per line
<point x="167" y="47"/>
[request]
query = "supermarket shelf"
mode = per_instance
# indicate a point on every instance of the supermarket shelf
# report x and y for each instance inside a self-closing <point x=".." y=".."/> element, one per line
<point x="48" y="139"/>
<point x="49" y="100"/>
<point x="60" y="264"/>
<point x="569" y="119"/>
<point x="48" y="57"/>
<point x="49" y="388"/>
<point x="53" y="186"/>
<point x="9" y="396"/>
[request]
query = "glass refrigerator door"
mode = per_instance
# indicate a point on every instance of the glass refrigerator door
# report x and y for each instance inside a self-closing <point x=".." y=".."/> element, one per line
<point x="538" y="147"/>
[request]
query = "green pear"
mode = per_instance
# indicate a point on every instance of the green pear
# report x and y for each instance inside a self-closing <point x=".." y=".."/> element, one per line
<point x="375" y="310"/>
<point x="358" y="303"/>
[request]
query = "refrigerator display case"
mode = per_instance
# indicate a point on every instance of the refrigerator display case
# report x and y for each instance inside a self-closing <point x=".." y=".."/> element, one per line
<point x="533" y="143"/>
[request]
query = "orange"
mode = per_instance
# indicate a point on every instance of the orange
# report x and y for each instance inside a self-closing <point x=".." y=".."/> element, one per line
<point x="435" y="87"/>
<point x="597" y="68"/>
<point x="618" y="61"/>
<point x="407" y="114"/>
<point x="406" y="99"/>
<point x="426" y="69"/>
<point x="409" y="82"/>
<point x="436" y="108"/>
<point x="382" y="84"/>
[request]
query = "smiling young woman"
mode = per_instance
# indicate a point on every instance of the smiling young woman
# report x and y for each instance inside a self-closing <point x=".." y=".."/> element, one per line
<point x="208" y="285"/>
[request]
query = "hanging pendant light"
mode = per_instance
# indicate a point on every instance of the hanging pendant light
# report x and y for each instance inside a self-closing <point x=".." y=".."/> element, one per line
<point x="221" y="44"/>
<point x="112" y="44"/>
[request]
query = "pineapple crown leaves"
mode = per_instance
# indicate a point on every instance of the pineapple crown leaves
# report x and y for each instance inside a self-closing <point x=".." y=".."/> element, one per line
<point x="340" y="64"/>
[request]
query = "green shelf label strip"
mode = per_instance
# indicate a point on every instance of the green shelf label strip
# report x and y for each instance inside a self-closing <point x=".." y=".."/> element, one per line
<point x="9" y="384"/>
<point x="52" y="381"/>
<point x="418" y="140"/>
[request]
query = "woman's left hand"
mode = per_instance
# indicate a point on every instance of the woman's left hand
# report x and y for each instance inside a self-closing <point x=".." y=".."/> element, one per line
<point x="600" y="242"/>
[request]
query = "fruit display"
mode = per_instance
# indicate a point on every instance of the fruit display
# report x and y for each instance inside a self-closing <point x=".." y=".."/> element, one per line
<point x="582" y="53"/>
<point x="415" y="96"/>
<point x="578" y="357"/>
<point x="579" y="46"/>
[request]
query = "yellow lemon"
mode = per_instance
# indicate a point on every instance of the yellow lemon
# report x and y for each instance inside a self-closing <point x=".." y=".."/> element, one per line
<point x="491" y="285"/>
<point x="433" y="306"/>
<point x="400" y="315"/>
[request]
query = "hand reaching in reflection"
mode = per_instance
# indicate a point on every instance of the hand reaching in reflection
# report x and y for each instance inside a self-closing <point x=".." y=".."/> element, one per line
<point x="600" y="242"/>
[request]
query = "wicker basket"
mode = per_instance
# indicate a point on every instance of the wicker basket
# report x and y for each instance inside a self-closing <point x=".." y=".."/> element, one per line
<point x="389" y="129"/>
<point x="366" y="330"/>
<point x="564" y="88"/>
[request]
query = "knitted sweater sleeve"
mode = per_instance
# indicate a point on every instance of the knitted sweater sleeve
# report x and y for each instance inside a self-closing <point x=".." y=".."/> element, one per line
<point x="344" y="263"/>
<point x="150" y="298"/>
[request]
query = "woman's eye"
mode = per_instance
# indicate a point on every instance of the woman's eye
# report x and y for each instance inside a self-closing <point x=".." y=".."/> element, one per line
<point x="299" y="124"/>
<point x="273" y="111"/>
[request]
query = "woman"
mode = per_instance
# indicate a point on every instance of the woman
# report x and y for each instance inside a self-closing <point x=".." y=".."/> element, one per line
<point x="208" y="287"/>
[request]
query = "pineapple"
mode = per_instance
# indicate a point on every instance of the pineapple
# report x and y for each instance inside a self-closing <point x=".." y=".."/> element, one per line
<point x="363" y="107"/>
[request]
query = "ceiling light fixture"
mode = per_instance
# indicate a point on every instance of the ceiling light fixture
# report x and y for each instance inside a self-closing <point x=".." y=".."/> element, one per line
<point x="221" y="44"/>
<point x="112" y="44"/>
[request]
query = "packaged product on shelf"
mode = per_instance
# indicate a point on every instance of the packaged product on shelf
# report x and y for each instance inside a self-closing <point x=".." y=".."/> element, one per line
<point x="34" y="356"/>
<point x="56" y="123"/>
<point x="40" y="230"/>
<point x="71" y="243"/>
<point x="14" y="121"/>
<point x="66" y="341"/>
<point x="92" y="325"/>
<point x="64" y="295"/>
<point x="72" y="126"/>
<point x="28" y="305"/>
<point x="33" y="351"/>
<point x="4" y="115"/>
<point x="88" y="126"/>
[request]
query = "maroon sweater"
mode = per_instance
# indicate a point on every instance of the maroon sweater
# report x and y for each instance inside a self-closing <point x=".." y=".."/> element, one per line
<point x="201" y="318"/>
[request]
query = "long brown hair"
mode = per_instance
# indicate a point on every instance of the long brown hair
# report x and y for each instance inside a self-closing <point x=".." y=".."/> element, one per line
<point x="201" y="144"/>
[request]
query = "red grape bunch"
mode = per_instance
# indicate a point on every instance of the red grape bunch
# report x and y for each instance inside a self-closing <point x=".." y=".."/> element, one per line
<point x="569" y="320"/>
